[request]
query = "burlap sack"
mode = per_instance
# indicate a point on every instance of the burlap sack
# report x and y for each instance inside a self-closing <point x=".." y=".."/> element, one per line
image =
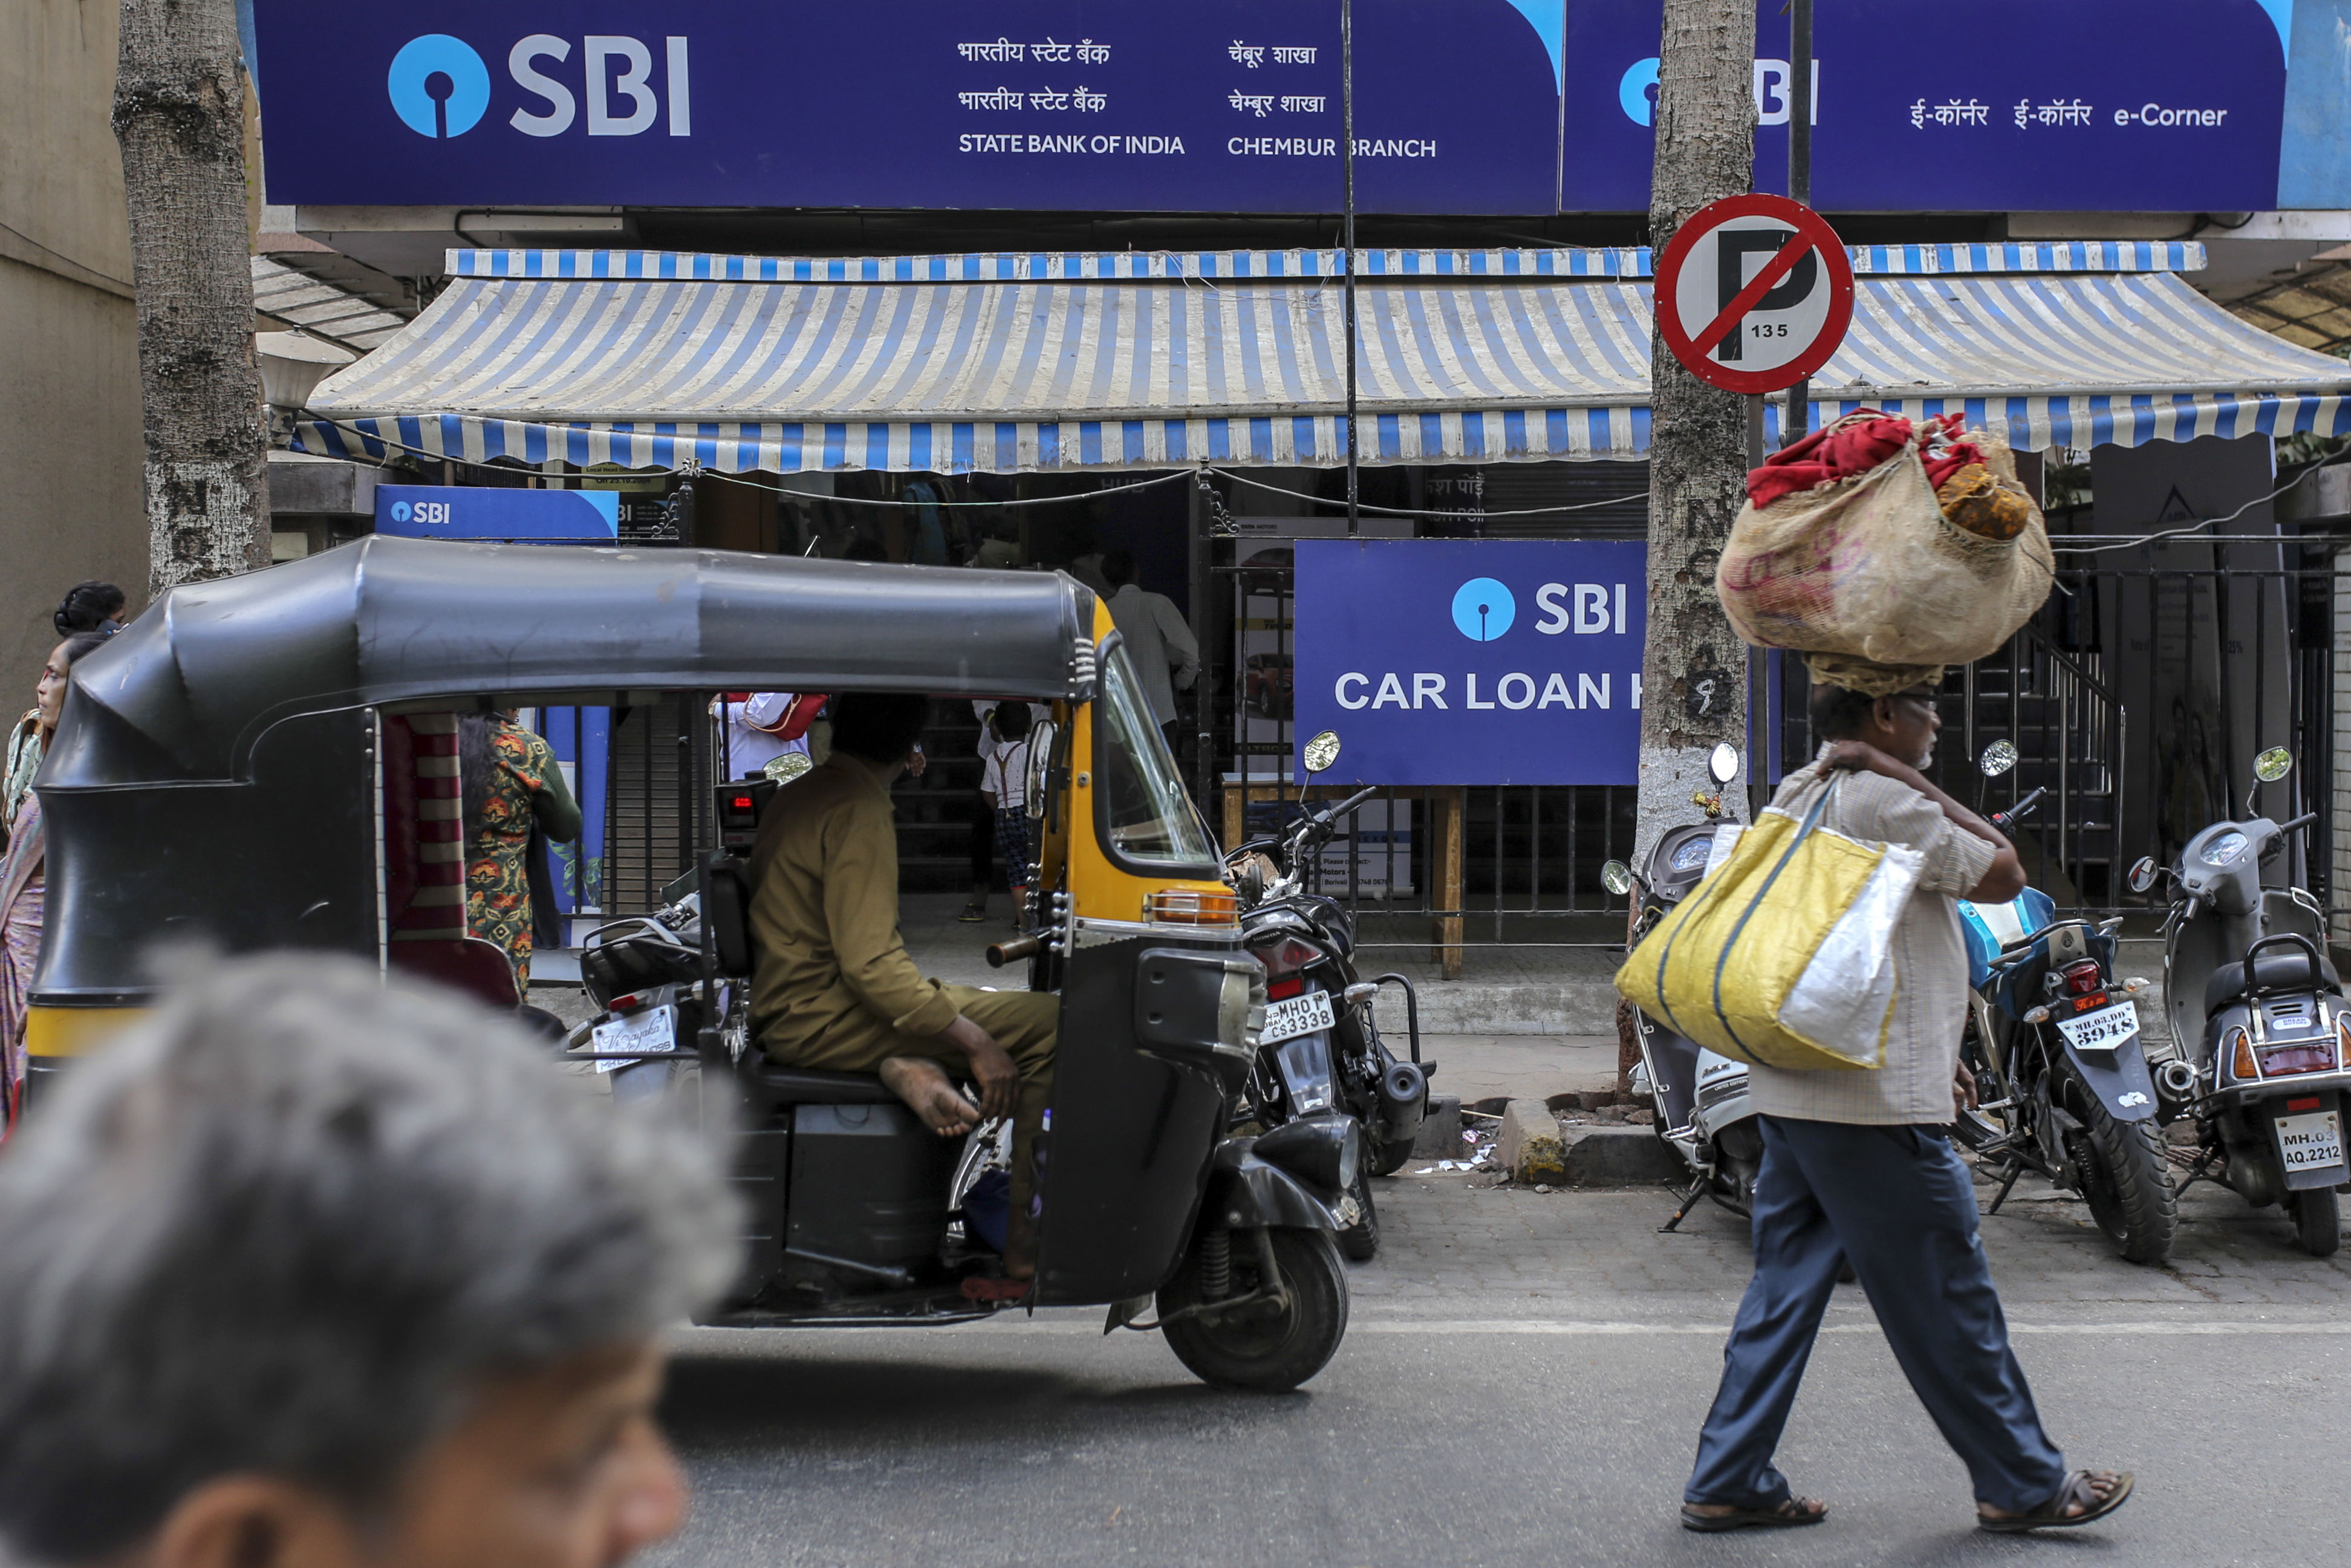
<point x="1870" y="567"/>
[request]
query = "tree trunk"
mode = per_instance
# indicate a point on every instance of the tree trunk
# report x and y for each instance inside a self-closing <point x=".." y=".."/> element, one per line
<point x="179" y="114"/>
<point x="1694" y="667"/>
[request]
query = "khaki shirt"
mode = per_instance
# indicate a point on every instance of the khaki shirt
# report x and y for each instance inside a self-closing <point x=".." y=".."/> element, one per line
<point x="824" y="916"/>
<point x="1931" y="962"/>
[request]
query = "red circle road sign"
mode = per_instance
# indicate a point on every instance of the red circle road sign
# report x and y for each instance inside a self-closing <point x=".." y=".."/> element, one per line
<point x="1754" y="293"/>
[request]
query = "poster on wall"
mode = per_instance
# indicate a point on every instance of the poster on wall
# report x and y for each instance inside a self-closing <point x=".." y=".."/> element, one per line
<point x="1460" y="662"/>
<point x="1372" y="854"/>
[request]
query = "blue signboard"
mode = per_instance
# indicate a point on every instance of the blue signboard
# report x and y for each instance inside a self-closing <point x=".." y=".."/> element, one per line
<point x="1516" y="106"/>
<point x="1217" y="106"/>
<point x="465" y="512"/>
<point x="1472" y="661"/>
<point x="2013" y="105"/>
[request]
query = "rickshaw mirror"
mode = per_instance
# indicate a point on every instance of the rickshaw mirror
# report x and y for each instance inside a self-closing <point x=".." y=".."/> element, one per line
<point x="2142" y="874"/>
<point x="1997" y="758"/>
<point x="1321" y="751"/>
<point x="1724" y="763"/>
<point x="1617" y="877"/>
<point x="2274" y="764"/>
<point x="1040" y="766"/>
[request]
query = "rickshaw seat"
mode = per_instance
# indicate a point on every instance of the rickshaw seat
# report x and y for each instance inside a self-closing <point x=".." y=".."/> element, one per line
<point x="469" y="964"/>
<point x="783" y="1085"/>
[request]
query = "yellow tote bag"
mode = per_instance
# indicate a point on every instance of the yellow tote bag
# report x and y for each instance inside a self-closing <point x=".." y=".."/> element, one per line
<point x="1783" y="956"/>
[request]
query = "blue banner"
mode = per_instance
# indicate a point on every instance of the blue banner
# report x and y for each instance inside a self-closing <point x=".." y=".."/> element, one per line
<point x="1517" y="107"/>
<point x="465" y="512"/>
<point x="1472" y="661"/>
<point x="1221" y="106"/>
<point x="2010" y="104"/>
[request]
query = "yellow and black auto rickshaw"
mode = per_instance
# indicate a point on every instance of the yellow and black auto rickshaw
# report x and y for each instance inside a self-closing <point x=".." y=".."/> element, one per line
<point x="268" y="761"/>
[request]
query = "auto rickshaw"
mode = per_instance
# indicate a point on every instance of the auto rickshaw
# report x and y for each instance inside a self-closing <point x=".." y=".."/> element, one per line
<point x="268" y="762"/>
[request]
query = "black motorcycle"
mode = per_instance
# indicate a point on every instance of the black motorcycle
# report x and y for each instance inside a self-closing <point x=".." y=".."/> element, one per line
<point x="2052" y="1041"/>
<point x="1319" y="1048"/>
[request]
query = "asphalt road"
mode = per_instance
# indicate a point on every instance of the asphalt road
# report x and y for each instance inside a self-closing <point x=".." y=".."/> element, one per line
<point x="1522" y="1382"/>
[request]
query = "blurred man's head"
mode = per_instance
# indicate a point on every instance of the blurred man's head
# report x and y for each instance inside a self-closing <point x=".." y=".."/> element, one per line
<point x="1118" y="568"/>
<point x="305" y="1271"/>
<point x="879" y="728"/>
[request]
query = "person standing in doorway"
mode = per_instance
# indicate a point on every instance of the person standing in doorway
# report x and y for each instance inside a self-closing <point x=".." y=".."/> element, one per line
<point x="511" y="782"/>
<point x="1004" y="785"/>
<point x="1158" y="643"/>
<point x="1856" y="1166"/>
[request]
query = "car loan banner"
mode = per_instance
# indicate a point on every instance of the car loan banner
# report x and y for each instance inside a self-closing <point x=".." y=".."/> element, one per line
<point x="1519" y="107"/>
<point x="1472" y="661"/>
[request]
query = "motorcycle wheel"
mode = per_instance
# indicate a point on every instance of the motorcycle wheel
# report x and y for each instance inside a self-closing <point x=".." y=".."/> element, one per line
<point x="1274" y="1354"/>
<point x="1361" y="1241"/>
<point x="2317" y="1221"/>
<point x="2126" y="1181"/>
<point x="1389" y="1157"/>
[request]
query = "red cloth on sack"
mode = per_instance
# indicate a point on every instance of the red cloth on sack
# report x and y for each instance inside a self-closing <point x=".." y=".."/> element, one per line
<point x="1839" y="451"/>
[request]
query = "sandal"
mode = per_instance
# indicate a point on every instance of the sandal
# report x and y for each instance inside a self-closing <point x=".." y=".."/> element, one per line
<point x="2051" y="1515"/>
<point x="972" y="915"/>
<point x="1787" y="1511"/>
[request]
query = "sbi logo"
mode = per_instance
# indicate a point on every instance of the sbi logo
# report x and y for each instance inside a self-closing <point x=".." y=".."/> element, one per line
<point x="1485" y="607"/>
<point x="1636" y="91"/>
<point x="431" y="514"/>
<point x="440" y="87"/>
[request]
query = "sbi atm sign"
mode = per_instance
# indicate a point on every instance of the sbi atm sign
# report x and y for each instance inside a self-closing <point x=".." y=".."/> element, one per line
<point x="1472" y="661"/>
<point x="605" y="84"/>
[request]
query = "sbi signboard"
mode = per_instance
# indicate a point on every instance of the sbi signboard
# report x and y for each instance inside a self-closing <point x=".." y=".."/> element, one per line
<point x="1472" y="661"/>
<point x="465" y="512"/>
<point x="1462" y="106"/>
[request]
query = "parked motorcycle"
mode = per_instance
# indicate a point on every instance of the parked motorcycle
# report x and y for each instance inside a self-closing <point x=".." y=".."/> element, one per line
<point x="2259" y="1024"/>
<point x="1703" y="1111"/>
<point x="1319" y="1048"/>
<point x="2062" y="1079"/>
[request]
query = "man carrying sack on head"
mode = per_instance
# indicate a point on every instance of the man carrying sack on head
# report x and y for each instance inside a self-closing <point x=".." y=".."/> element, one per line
<point x="1856" y="1167"/>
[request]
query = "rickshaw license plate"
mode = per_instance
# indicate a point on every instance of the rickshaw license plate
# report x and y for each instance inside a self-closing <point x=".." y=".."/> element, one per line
<point x="1294" y="1016"/>
<point x="2101" y="1031"/>
<point x="2311" y="1143"/>
<point x="655" y="1028"/>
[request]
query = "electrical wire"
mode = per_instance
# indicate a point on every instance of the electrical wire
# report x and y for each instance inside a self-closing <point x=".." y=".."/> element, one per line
<point x="2185" y="528"/>
<point x="1423" y="511"/>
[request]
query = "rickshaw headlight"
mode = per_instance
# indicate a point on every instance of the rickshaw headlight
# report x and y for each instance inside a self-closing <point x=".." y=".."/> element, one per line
<point x="1325" y="1151"/>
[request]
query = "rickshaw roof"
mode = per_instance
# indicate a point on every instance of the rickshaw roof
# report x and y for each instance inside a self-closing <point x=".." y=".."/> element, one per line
<point x="418" y="623"/>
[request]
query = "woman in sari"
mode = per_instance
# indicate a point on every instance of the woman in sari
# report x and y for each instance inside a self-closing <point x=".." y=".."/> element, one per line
<point x="511" y="781"/>
<point x="23" y="880"/>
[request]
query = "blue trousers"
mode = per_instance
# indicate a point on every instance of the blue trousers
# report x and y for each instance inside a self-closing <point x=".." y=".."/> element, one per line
<point x="1897" y="1202"/>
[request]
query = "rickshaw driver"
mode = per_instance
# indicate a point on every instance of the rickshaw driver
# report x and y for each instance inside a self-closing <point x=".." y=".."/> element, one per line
<point x="833" y="988"/>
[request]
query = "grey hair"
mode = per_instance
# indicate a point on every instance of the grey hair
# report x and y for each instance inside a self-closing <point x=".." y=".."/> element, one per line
<point x="293" y="1224"/>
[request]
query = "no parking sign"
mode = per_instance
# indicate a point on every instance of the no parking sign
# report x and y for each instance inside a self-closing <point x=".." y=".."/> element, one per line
<point x="1754" y="294"/>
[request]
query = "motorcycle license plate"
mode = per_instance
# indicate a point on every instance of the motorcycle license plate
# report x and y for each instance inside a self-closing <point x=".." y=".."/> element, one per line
<point x="1293" y="1015"/>
<point x="655" y="1028"/>
<point x="2101" y="1031"/>
<point x="2311" y="1143"/>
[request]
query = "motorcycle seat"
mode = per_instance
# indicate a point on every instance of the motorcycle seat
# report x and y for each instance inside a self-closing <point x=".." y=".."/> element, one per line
<point x="784" y="1085"/>
<point x="2276" y="967"/>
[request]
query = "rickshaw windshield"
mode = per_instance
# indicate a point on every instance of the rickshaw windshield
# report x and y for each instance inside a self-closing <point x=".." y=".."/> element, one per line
<point x="1147" y="819"/>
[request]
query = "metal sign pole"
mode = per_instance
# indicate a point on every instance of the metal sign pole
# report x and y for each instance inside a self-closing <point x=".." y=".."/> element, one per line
<point x="1796" y="413"/>
<point x="1347" y="115"/>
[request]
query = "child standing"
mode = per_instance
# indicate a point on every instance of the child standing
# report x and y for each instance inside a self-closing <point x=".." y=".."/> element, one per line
<point x="1004" y="785"/>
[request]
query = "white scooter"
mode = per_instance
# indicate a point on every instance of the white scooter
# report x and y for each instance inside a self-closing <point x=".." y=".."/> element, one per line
<point x="2259" y="1021"/>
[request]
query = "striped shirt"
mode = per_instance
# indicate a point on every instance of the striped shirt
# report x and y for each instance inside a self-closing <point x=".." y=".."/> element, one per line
<point x="1930" y="1001"/>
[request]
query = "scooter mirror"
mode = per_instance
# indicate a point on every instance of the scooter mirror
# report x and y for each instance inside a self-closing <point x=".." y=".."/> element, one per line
<point x="1617" y="877"/>
<point x="1321" y="751"/>
<point x="2274" y="764"/>
<point x="1997" y="758"/>
<point x="2142" y="874"/>
<point x="1724" y="763"/>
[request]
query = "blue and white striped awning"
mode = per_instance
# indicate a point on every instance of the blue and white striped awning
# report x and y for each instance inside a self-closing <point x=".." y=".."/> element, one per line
<point x="1021" y="363"/>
